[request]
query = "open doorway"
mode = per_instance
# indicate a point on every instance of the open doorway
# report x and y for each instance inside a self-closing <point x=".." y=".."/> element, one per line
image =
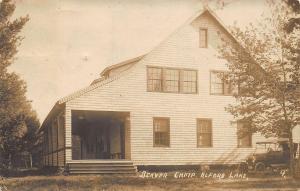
<point x="98" y="134"/>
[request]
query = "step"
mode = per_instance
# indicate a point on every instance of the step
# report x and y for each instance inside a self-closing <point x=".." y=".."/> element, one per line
<point x="102" y="172"/>
<point x="104" y="169"/>
<point x="101" y="167"/>
<point x="107" y="168"/>
<point x="98" y="161"/>
<point x="122" y="164"/>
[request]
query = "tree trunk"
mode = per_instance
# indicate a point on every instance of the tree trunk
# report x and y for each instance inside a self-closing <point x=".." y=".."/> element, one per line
<point x="291" y="146"/>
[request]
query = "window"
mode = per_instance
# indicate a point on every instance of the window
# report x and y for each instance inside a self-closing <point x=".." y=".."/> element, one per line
<point x="161" y="132"/>
<point x="204" y="133"/>
<point x="171" y="80"/>
<point x="203" y="38"/>
<point x="154" y="79"/>
<point x="218" y="85"/>
<point x="189" y="81"/>
<point x="245" y="138"/>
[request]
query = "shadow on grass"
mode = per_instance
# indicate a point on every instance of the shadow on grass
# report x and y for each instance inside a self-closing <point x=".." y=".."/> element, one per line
<point x="45" y="171"/>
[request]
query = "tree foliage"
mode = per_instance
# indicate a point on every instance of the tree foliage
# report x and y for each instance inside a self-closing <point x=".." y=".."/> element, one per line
<point x="264" y="65"/>
<point x="18" y="122"/>
<point x="294" y="21"/>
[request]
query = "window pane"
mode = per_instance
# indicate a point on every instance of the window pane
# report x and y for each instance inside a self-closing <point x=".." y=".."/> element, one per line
<point x="161" y="125"/>
<point x="189" y="81"/>
<point x="154" y="79"/>
<point x="161" y="139"/>
<point x="204" y="140"/>
<point x="217" y="89"/>
<point x="219" y="85"/>
<point x="204" y="132"/>
<point x="203" y="38"/>
<point x="171" y="83"/>
<point x="216" y="86"/>
<point x="161" y="132"/>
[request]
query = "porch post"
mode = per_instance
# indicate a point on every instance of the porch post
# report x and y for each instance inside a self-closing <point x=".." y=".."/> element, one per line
<point x="127" y="129"/>
<point x="68" y="134"/>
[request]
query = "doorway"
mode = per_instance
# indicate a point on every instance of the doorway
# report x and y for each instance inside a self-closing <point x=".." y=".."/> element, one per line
<point x="98" y="135"/>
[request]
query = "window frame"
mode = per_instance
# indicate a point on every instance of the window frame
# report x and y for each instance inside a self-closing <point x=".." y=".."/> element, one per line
<point x="250" y="136"/>
<point x="223" y="84"/>
<point x="206" y="37"/>
<point x="211" y="132"/>
<point x="153" y="129"/>
<point x="164" y="81"/>
<point x="180" y="82"/>
<point x="161" y="78"/>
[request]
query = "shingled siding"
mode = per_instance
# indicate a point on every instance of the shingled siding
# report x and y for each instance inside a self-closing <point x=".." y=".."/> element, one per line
<point x="129" y="93"/>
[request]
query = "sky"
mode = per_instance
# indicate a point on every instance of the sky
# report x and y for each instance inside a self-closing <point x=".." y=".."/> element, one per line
<point x="69" y="42"/>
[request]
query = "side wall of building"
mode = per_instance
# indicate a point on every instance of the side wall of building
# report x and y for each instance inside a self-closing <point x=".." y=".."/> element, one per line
<point x="54" y="142"/>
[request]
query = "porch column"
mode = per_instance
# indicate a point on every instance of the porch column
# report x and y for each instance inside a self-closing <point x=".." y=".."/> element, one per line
<point x="127" y="131"/>
<point x="68" y="134"/>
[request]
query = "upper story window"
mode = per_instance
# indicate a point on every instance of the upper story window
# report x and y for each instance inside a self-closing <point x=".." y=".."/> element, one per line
<point x="154" y="76"/>
<point x="161" y="132"/>
<point x="244" y="139"/>
<point x="204" y="133"/>
<point x="203" y="38"/>
<point x="189" y="81"/>
<point x="219" y="86"/>
<point x="171" y="80"/>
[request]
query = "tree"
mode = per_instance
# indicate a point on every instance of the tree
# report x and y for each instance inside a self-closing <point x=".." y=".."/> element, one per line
<point x="263" y="61"/>
<point x="294" y="21"/>
<point x="18" y="122"/>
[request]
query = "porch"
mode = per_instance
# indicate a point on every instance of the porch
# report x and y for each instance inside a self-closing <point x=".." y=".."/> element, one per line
<point x="99" y="135"/>
<point x="100" y="143"/>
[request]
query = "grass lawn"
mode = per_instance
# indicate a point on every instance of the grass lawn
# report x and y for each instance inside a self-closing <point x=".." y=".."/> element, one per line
<point x="123" y="183"/>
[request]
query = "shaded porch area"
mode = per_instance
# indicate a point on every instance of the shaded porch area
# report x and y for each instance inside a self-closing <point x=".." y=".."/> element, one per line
<point x="100" y="135"/>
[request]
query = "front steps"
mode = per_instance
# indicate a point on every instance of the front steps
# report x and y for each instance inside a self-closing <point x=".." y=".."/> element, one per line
<point x="101" y="167"/>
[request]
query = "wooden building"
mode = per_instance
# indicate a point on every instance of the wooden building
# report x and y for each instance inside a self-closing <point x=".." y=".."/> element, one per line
<point x="163" y="108"/>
